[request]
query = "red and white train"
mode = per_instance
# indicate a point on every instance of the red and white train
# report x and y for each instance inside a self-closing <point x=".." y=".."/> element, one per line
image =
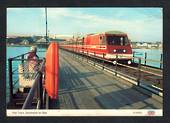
<point x="107" y="44"/>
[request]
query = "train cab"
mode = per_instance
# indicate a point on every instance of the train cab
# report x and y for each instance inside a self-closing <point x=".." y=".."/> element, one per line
<point x="117" y="43"/>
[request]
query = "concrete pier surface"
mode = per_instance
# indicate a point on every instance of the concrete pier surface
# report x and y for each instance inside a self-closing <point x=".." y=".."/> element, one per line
<point x="81" y="86"/>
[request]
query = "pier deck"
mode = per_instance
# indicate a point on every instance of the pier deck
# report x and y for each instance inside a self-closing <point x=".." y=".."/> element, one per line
<point x="81" y="86"/>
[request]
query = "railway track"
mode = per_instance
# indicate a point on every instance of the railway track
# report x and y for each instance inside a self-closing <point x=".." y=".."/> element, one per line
<point x="143" y="75"/>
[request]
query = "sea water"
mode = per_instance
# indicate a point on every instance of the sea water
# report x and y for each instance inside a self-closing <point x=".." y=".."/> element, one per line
<point x="153" y="54"/>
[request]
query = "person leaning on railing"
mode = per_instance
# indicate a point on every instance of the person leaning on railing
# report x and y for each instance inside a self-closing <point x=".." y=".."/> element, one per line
<point x="32" y="61"/>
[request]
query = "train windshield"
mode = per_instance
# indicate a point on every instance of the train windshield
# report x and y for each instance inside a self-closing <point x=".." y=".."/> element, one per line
<point x="117" y="40"/>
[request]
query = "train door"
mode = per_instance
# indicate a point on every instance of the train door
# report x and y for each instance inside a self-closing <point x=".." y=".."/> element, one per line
<point x="102" y="40"/>
<point x="102" y="43"/>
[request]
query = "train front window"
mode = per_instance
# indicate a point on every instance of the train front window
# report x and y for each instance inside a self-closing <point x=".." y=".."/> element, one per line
<point x="117" y="40"/>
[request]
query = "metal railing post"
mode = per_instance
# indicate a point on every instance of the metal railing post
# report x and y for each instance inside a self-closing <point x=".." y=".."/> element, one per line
<point x="73" y="54"/>
<point x="139" y="71"/>
<point x="161" y="59"/>
<point x="40" y="96"/>
<point x="133" y="56"/>
<point x="22" y="61"/>
<point x="116" y="65"/>
<point x="82" y="55"/>
<point x="22" y="57"/>
<point x="77" y="55"/>
<point x="10" y="78"/>
<point x="94" y="59"/>
<point x="103" y="61"/>
<point x="43" y="96"/>
<point x="47" y="102"/>
<point x="145" y="57"/>
<point x="87" y="56"/>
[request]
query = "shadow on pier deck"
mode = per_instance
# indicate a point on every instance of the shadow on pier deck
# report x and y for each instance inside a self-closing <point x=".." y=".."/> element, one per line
<point x="83" y="87"/>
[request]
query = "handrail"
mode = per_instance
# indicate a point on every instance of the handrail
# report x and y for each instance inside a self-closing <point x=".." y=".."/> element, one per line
<point x="20" y="55"/>
<point x="30" y="96"/>
<point x="36" y="84"/>
<point x="24" y="54"/>
<point x="26" y="59"/>
<point x="151" y="60"/>
<point x="144" y="53"/>
<point x="140" y="70"/>
<point x="145" y="59"/>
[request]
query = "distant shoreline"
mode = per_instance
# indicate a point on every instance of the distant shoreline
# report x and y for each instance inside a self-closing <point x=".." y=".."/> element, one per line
<point x="147" y="48"/>
<point x="19" y="45"/>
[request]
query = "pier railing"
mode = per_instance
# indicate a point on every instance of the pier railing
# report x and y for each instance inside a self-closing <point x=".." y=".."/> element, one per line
<point x="141" y="75"/>
<point x="37" y="88"/>
<point x="13" y="71"/>
<point x="14" y="78"/>
<point x="146" y="60"/>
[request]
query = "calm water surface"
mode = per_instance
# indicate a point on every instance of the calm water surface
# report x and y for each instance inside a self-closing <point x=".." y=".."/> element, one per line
<point x="154" y="54"/>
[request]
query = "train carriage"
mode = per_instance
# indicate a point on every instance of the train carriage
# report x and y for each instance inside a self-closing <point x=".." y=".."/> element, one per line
<point x="107" y="44"/>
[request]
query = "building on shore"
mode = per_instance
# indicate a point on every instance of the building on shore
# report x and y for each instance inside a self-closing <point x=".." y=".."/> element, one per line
<point x="25" y="42"/>
<point x="147" y="45"/>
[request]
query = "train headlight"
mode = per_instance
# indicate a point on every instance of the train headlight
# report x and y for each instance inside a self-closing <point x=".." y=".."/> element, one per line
<point x="124" y="51"/>
<point x="129" y="62"/>
<point x="114" y="50"/>
<point x="114" y="62"/>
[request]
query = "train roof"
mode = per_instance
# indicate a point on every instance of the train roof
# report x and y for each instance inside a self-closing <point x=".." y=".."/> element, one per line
<point x="109" y="32"/>
<point x="114" y="32"/>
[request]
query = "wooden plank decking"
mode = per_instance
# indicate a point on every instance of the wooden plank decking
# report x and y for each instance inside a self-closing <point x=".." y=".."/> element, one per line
<point x="83" y="87"/>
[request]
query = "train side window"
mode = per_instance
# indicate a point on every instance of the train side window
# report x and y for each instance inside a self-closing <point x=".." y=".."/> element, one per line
<point x="126" y="41"/>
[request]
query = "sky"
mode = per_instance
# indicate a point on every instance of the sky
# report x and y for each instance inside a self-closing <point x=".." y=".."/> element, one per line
<point x="141" y="24"/>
